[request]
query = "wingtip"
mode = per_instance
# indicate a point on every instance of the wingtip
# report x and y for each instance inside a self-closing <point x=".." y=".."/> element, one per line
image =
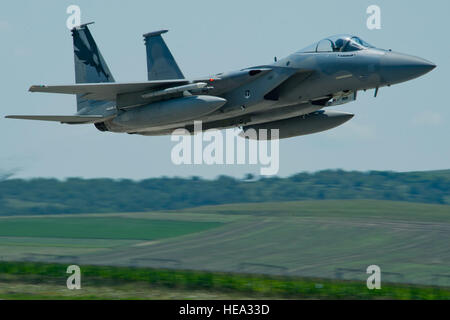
<point x="34" y="88"/>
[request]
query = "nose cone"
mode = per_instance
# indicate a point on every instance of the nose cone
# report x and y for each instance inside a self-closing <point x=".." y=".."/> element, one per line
<point x="398" y="67"/>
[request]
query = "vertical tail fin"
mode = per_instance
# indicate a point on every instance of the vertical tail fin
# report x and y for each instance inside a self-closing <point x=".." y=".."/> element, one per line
<point x="160" y="63"/>
<point x="90" y="67"/>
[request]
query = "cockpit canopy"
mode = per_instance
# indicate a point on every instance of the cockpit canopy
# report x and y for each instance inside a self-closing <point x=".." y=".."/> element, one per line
<point x="338" y="43"/>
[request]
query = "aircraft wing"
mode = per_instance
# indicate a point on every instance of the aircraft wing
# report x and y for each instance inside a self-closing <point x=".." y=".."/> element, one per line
<point x="108" y="91"/>
<point x="64" y="119"/>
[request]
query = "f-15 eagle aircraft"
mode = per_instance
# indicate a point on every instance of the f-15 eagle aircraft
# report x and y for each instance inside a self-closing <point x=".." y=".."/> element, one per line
<point x="292" y="94"/>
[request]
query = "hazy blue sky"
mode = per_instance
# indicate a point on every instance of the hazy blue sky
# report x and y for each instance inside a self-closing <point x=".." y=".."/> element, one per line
<point x="405" y="128"/>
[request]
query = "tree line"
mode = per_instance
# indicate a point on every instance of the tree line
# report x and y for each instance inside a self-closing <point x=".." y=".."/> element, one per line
<point x="76" y="195"/>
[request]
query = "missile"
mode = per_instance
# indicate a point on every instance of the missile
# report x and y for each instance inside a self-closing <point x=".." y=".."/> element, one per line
<point x="187" y="87"/>
<point x="311" y="123"/>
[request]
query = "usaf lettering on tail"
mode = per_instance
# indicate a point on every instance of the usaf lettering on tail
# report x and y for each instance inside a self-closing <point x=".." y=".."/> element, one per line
<point x="293" y="94"/>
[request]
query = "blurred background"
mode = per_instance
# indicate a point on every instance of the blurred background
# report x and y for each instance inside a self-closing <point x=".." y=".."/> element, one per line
<point x="403" y="129"/>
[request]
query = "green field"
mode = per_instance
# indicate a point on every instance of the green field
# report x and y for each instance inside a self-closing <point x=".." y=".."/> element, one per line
<point x="343" y="209"/>
<point x="322" y="239"/>
<point x="100" y="228"/>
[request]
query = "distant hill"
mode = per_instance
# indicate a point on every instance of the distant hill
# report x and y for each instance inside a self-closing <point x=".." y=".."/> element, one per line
<point x="75" y="195"/>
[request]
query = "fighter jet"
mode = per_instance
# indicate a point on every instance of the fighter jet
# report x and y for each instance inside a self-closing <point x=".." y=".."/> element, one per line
<point x="292" y="94"/>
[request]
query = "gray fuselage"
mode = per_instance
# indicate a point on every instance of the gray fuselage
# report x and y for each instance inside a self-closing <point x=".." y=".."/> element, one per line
<point x="299" y="84"/>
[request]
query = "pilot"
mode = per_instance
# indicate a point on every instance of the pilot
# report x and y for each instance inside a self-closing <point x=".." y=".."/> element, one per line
<point x="338" y="45"/>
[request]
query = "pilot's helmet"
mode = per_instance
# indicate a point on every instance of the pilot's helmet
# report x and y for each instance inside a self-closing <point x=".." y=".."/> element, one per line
<point x="339" y="44"/>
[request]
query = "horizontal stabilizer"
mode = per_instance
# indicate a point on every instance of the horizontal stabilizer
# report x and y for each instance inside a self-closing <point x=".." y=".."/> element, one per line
<point x="64" y="119"/>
